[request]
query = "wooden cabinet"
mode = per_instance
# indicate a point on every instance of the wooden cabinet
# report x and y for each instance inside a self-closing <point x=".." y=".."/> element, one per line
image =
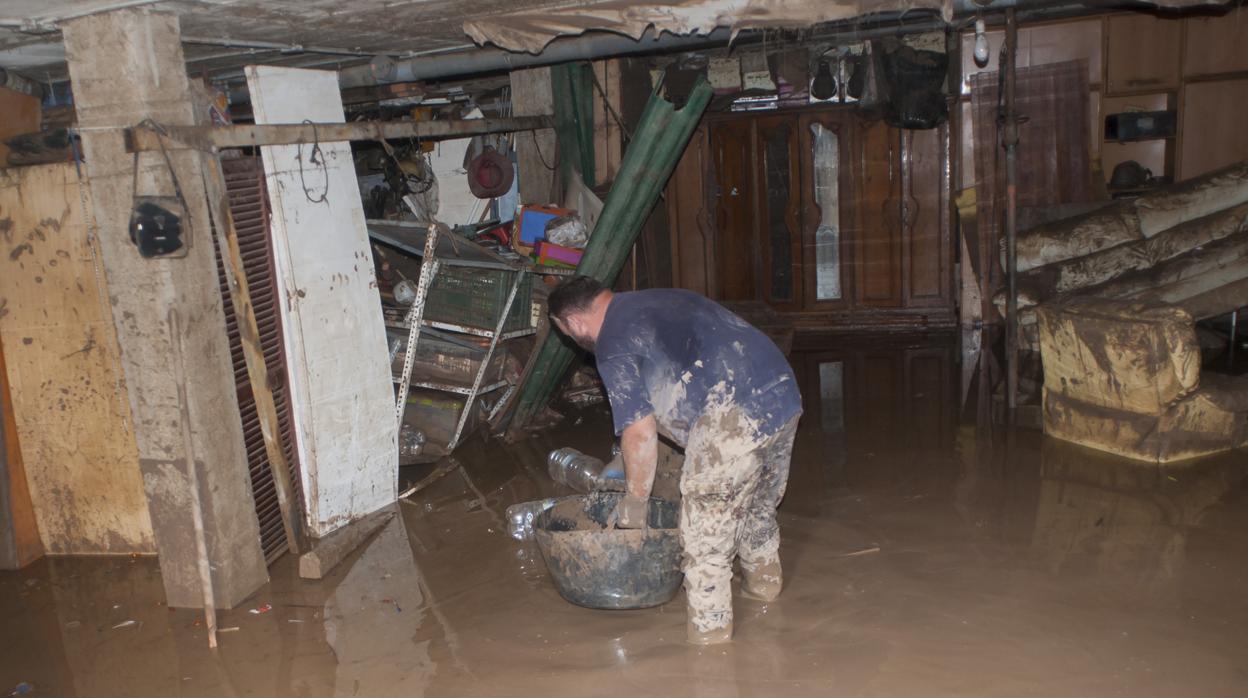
<point x="834" y="219"/>
<point x="1213" y="133"/>
<point x="778" y="200"/>
<point x="693" y="253"/>
<point x="1216" y="45"/>
<point x="732" y="202"/>
<point x="1155" y="154"/>
<point x="927" y="271"/>
<point x="1143" y="54"/>
<point x="877" y="226"/>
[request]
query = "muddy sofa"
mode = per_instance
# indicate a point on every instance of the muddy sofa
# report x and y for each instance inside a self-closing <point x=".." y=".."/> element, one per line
<point x="1125" y="377"/>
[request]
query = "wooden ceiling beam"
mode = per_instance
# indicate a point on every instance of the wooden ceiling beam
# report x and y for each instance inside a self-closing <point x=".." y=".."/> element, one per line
<point x="208" y="138"/>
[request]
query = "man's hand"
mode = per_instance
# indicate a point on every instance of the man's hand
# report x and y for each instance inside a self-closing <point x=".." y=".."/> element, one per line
<point x="631" y="512"/>
<point x="639" y="447"/>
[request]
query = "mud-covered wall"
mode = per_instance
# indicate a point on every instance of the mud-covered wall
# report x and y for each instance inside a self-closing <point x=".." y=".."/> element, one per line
<point x="69" y="397"/>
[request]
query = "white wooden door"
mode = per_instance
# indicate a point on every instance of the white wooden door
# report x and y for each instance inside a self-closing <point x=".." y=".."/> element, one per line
<point x="331" y="312"/>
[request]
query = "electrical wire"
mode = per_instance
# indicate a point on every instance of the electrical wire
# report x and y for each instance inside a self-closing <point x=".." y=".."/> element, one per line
<point x="316" y="158"/>
<point x="538" y="148"/>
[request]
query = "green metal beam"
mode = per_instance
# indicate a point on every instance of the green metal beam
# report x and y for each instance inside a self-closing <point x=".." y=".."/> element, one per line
<point x="652" y="154"/>
<point x="572" y="87"/>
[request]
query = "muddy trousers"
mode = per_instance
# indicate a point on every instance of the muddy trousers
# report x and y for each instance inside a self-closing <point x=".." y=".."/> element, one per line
<point x="732" y="481"/>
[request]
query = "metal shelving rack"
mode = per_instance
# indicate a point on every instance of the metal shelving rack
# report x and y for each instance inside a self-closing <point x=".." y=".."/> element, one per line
<point x="414" y="321"/>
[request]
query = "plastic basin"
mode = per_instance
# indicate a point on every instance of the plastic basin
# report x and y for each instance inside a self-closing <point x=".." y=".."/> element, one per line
<point x="597" y="567"/>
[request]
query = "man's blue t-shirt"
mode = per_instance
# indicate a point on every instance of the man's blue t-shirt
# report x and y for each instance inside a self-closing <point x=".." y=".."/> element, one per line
<point x="669" y="353"/>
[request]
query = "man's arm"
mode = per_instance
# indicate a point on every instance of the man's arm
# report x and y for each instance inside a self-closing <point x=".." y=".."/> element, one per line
<point x="639" y="444"/>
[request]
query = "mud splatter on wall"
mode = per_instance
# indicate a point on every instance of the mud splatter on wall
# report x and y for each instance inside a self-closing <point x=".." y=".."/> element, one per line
<point x="69" y="398"/>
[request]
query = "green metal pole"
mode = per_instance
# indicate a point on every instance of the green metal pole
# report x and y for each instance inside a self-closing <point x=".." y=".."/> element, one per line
<point x="652" y="155"/>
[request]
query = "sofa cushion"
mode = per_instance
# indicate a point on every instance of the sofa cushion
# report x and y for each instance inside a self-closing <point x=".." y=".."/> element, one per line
<point x="1128" y="356"/>
<point x="1194" y="426"/>
<point x="1226" y="392"/>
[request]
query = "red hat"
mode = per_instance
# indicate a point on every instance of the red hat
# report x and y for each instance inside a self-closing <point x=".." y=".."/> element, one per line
<point x="490" y="174"/>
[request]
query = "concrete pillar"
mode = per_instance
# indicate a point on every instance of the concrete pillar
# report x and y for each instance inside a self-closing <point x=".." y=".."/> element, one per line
<point x="127" y="66"/>
<point x="536" y="152"/>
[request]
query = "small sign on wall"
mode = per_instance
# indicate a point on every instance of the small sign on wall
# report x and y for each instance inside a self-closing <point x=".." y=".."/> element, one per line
<point x="724" y="74"/>
<point x="755" y="74"/>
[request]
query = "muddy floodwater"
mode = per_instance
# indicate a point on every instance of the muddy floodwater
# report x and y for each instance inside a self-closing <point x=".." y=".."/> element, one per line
<point x="927" y="552"/>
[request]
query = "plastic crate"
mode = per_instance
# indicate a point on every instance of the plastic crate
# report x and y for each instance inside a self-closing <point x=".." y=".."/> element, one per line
<point x="475" y="297"/>
<point x="436" y="415"/>
<point x="440" y="361"/>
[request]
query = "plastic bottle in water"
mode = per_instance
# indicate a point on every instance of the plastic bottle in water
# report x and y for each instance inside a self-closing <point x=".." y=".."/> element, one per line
<point x="520" y="517"/>
<point x="568" y="466"/>
<point x="411" y="441"/>
<point x="583" y="473"/>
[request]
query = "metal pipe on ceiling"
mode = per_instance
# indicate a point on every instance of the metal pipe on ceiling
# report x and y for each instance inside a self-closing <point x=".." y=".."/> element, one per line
<point x="455" y="63"/>
<point x="382" y="71"/>
<point x="595" y="45"/>
<point x="273" y="46"/>
<point x="230" y="54"/>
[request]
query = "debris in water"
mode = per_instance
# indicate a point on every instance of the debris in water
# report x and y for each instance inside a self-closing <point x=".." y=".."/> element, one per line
<point x="73" y="624"/>
<point x="584" y="397"/>
<point x="394" y="603"/>
<point x="293" y="620"/>
<point x="125" y="624"/>
<point x="520" y="517"/>
<point x="231" y="629"/>
<point x="261" y="609"/>
<point x="864" y="551"/>
<point x="22" y="689"/>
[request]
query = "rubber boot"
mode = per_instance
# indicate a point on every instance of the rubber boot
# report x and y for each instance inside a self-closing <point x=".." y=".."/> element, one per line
<point x="716" y="636"/>
<point x="762" y="582"/>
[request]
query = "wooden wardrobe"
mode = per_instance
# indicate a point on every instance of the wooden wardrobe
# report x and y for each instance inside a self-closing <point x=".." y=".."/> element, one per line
<point x="831" y="217"/>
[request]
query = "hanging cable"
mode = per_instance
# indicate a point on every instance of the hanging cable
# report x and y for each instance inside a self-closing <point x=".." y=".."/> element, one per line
<point x="538" y="148"/>
<point x="317" y="158"/>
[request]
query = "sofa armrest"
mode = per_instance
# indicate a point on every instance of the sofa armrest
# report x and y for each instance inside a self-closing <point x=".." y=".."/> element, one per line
<point x="1227" y="392"/>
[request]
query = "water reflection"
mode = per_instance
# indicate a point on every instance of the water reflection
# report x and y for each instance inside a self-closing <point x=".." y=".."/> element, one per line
<point x="1101" y="515"/>
<point x="999" y="554"/>
<point x="372" y="617"/>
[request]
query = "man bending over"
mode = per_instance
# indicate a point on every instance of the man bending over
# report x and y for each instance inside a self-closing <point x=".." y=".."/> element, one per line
<point x="677" y="363"/>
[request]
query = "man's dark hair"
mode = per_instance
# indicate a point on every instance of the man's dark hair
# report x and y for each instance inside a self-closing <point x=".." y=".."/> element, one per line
<point x="573" y="295"/>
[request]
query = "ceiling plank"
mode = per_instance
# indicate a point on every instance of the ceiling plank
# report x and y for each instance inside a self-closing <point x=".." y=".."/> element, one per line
<point x="207" y="138"/>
